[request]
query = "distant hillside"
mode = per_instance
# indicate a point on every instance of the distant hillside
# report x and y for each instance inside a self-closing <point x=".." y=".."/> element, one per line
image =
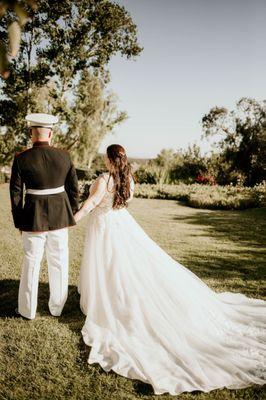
<point x="133" y="159"/>
<point x="138" y="160"/>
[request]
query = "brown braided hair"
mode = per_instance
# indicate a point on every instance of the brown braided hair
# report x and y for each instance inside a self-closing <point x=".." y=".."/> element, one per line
<point x="120" y="170"/>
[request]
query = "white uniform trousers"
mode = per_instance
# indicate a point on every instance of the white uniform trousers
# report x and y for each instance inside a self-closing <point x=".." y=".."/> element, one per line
<point x="55" y="244"/>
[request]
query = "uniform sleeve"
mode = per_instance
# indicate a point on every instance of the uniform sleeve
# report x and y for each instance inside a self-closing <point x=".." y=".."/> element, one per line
<point x="72" y="188"/>
<point x="95" y="197"/>
<point x="16" y="193"/>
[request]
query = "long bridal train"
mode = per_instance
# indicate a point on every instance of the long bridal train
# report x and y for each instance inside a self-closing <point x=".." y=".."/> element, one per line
<point x="152" y="319"/>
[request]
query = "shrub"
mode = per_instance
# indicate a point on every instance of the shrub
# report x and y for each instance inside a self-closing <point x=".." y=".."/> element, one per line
<point x="144" y="175"/>
<point x="170" y="167"/>
<point x="3" y="177"/>
<point x="84" y="189"/>
<point x="206" y="196"/>
<point x="198" y="195"/>
<point x="206" y="179"/>
<point x="170" y="192"/>
<point x="152" y="174"/>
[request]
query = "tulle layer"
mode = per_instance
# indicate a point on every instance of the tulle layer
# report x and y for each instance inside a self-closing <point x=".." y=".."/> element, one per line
<point x="152" y="319"/>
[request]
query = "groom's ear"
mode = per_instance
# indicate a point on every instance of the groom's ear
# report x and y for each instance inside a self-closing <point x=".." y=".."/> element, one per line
<point x="50" y="134"/>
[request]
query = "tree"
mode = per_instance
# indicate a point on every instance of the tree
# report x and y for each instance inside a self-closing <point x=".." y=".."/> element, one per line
<point x="94" y="114"/>
<point x="9" y="48"/>
<point x="62" y="41"/>
<point x="173" y="166"/>
<point x="242" y="138"/>
<point x="189" y="163"/>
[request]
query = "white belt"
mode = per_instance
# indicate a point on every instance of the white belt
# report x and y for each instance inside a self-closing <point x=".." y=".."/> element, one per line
<point x="59" y="189"/>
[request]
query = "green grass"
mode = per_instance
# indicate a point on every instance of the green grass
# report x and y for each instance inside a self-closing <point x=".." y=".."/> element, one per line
<point x="47" y="359"/>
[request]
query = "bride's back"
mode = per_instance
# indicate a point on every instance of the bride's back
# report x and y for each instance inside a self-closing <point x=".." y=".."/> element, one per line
<point x="107" y="200"/>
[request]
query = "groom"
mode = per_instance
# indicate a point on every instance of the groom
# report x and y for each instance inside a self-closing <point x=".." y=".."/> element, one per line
<point x="45" y="214"/>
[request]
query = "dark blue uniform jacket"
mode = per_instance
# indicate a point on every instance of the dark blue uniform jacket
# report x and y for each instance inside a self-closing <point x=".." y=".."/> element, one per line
<point x="43" y="167"/>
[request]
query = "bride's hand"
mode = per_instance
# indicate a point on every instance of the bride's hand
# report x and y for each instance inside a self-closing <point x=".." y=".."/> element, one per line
<point x="76" y="217"/>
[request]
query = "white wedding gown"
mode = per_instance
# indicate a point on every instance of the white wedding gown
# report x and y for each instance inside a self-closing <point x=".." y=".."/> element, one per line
<point x="150" y="318"/>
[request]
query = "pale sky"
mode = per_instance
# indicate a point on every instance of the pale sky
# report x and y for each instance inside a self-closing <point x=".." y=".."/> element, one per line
<point x="197" y="54"/>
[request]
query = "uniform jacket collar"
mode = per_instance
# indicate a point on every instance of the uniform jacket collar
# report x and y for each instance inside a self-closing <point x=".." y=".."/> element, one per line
<point x="40" y="144"/>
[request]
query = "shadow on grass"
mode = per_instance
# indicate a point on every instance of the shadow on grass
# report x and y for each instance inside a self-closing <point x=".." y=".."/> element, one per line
<point x="226" y="266"/>
<point x="246" y="227"/>
<point x="9" y="296"/>
<point x="71" y="316"/>
<point x="242" y="233"/>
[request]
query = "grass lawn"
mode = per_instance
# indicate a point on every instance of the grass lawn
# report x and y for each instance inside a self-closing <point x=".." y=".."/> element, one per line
<point x="47" y="359"/>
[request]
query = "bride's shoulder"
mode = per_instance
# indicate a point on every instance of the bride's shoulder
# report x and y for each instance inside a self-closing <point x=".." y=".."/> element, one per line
<point x="99" y="184"/>
<point x="104" y="176"/>
<point x="108" y="180"/>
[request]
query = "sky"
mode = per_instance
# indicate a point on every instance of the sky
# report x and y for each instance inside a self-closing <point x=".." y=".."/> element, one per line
<point x="197" y="54"/>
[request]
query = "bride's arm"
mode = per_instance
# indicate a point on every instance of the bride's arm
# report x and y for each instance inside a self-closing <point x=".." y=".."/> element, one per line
<point x="132" y="187"/>
<point x="95" y="197"/>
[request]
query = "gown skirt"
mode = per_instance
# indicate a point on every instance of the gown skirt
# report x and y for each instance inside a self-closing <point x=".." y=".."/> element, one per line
<point x="150" y="318"/>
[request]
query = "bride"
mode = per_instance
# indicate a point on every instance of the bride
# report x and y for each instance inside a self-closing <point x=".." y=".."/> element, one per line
<point x="150" y="318"/>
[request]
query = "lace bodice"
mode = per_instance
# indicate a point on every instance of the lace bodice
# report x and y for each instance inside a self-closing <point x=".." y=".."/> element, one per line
<point x="101" y="198"/>
<point x="106" y="203"/>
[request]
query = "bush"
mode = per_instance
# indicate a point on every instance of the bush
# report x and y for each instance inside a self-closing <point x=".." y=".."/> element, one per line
<point x="3" y="177"/>
<point x="206" y="196"/>
<point x="170" y="167"/>
<point x="152" y="174"/>
<point x="198" y="195"/>
<point x="206" y="179"/>
<point x="144" y="175"/>
<point x="170" y="192"/>
<point x="84" y="189"/>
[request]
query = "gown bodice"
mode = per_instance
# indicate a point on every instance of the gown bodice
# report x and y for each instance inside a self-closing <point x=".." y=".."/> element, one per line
<point x="106" y="203"/>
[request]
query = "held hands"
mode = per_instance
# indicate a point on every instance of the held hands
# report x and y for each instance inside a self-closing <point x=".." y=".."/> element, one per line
<point x="77" y="217"/>
<point x="96" y="195"/>
<point x="82" y="212"/>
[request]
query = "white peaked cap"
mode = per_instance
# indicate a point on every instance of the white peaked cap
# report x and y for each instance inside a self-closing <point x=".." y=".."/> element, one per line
<point x="43" y="120"/>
